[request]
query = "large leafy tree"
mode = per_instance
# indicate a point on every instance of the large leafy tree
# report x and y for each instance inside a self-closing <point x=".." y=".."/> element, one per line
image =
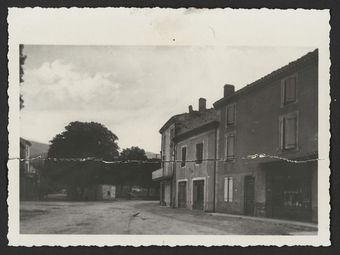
<point x="22" y="59"/>
<point x="133" y="153"/>
<point x="84" y="139"/>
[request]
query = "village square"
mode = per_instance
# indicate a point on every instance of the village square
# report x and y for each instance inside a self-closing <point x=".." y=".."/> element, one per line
<point x="247" y="165"/>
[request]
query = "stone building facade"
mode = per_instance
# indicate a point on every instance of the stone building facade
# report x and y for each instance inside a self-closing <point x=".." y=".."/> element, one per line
<point x="258" y="147"/>
<point x="268" y="140"/>
<point x="195" y="155"/>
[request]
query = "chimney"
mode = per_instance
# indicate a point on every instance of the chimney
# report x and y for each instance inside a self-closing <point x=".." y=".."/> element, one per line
<point x="190" y="108"/>
<point x="202" y="104"/>
<point x="228" y="90"/>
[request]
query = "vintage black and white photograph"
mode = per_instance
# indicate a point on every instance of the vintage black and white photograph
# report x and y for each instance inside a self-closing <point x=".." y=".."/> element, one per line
<point x="169" y="139"/>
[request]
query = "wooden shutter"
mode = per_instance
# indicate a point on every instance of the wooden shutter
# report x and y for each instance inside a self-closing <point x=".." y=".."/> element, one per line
<point x="199" y="153"/>
<point x="226" y="189"/>
<point x="290" y="90"/>
<point x="290" y="132"/>
<point x="184" y="155"/>
<point x="281" y="135"/>
<point x="230" y="189"/>
<point x="230" y="146"/>
<point x="230" y="114"/>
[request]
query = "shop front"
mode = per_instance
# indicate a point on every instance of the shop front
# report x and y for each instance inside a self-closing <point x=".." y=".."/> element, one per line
<point x="291" y="190"/>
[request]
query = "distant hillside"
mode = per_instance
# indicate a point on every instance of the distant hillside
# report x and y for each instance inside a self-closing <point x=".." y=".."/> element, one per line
<point x="151" y="155"/>
<point x="38" y="148"/>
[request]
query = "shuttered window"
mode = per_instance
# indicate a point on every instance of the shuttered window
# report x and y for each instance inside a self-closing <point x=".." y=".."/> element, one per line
<point x="163" y="161"/>
<point x="230" y="145"/>
<point x="199" y="153"/>
<point x="289" y="90"/>
<point x="184" y="156"/>
<point x="288" y="131"/>
<point x="228" y="189"/>
<point x="163" y="143"/>
<point x="230" y="114"/>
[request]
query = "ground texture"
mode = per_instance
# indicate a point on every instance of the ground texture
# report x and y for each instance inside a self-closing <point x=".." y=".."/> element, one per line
<point x="141" y="217"/>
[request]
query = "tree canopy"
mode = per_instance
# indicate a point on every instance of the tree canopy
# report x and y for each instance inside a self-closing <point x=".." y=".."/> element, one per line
<point x="22" y="59"/>
<point x="133" y="153"/>
<point x="84" y="139"/>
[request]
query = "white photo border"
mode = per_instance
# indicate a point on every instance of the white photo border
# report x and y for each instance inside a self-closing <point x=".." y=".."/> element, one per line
<point x="231" y="27"/>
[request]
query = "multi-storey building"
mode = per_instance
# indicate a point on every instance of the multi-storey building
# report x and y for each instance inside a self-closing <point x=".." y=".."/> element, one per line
<point x="188" y="156"/>
<point x="28" y="176"/>
<point x="25" y="156"/>
<point x="195" y="155"/>
<point x="165" y="174"/>
<point x="254" y="154"/>
<point x="269" y="142"/>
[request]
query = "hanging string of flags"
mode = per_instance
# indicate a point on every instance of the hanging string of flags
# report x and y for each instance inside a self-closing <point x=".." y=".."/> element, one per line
<point x="248" y="157"/>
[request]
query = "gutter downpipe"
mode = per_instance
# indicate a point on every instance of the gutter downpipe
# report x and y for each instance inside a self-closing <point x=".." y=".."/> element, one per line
<point x="173" y="185"/>
<point x="215" y="166"/>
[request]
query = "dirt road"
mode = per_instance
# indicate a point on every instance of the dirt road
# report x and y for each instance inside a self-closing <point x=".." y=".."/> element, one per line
<point x="138" y="217"/>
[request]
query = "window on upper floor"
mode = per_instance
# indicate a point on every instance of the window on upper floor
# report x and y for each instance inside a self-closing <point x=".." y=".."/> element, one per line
<point x="172" y="133"/>
<point x="199" y="153"/>
<point x="288" y="131"/>
<point x="27" y="151"/>
<point x="163" y="142"/>
<point x="163" y="160"/>
<point x="184" y="156"/>
<point x="27" y="167"/>
<point x="229" y="147"/>
<point x="289" y="90"/>
<point x="228" y="189"/>
<point x="230" y="114"/>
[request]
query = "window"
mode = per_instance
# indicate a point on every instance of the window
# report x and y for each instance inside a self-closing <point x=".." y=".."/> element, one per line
<point x="27" y="151"/>
<point x="289" y="90"/>
<point x="229" y="147"/>
<point x="163" y="142"/>
<point x="184" y="156"/>
<point x="27" y="166"/>
<point x="172" y="133"/>
<point x="288" y="131"/>
<point x="228" y="189"/>
<point x="163" y="160"/>
<point x="199" y="153"/>
<point x="230" y="114"/>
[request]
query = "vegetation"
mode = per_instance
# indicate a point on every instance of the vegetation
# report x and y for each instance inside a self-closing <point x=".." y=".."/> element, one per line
<point x="133" y="153"/>
<point x="83" y="140"/>
<point x="22" y="59"/>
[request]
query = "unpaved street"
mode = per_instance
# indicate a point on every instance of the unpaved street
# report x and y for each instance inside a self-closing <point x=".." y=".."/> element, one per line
<point x="138" y="217"/>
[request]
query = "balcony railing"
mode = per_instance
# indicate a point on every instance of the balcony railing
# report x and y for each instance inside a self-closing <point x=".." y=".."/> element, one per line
<point x="162" y="173"/>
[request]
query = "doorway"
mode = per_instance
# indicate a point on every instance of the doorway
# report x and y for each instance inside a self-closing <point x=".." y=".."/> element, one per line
<point x="182" y="194"/>
<point x="249" y="195"/>
<point x="198" y="195"/>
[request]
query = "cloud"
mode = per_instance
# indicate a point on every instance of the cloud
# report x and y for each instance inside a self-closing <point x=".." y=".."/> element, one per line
<point x="57" y="85"/>
<point x="133" y="90"/>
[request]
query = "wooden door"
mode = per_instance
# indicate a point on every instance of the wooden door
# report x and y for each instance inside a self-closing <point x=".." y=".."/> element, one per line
<point x="198" y="195"/>
<point x="249" y="195"/>
<point x="182" y="194"/>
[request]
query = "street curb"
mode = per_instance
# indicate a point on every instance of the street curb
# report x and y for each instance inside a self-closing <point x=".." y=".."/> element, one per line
<point x="278" y="221"/>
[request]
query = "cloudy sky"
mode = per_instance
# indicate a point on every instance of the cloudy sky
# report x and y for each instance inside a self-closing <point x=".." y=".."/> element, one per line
<point x="133" y="90"/>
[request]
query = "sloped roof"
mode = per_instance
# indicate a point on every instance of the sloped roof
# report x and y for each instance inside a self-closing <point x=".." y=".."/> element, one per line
<point x="187" y="121"/>
<point x="24" y="141"/>
<point x="195" y="120"/>
<point x="173" y="119"/>
<point x="309" y="57"/>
